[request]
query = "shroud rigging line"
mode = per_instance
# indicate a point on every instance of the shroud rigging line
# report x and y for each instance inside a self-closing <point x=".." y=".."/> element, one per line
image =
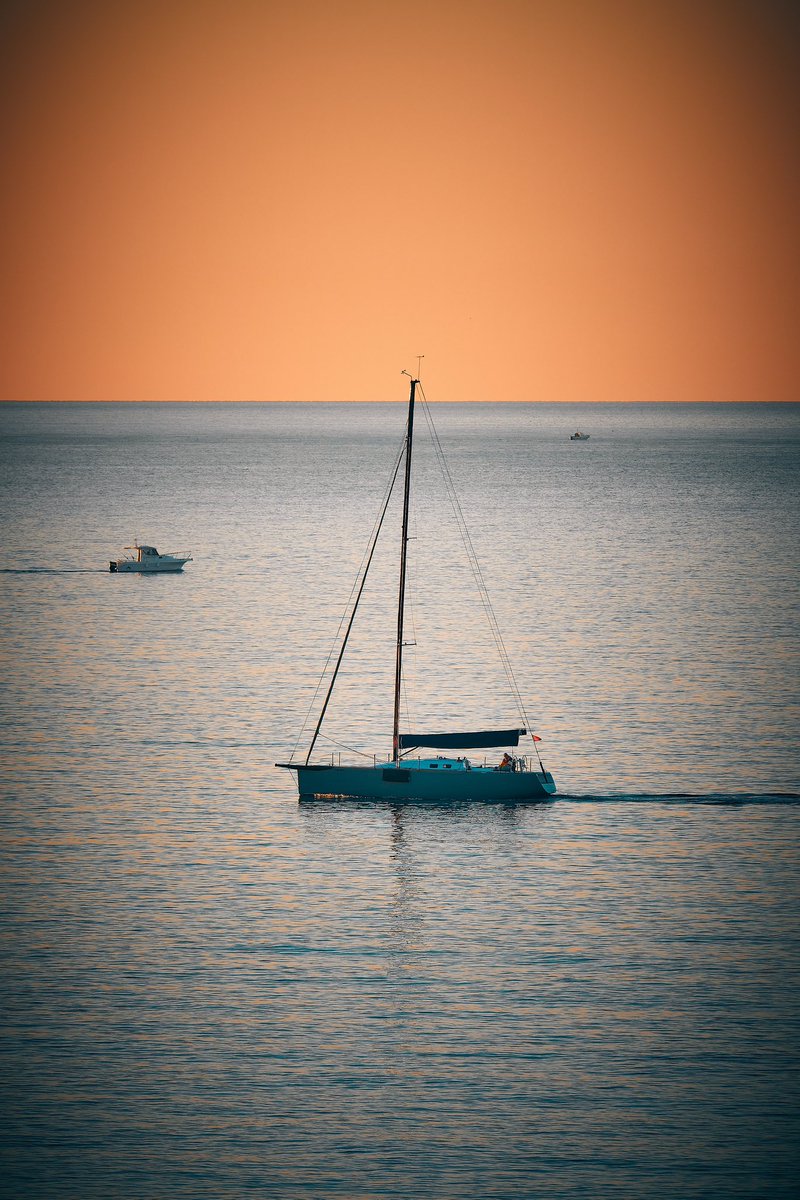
<point x="474" y="563"/>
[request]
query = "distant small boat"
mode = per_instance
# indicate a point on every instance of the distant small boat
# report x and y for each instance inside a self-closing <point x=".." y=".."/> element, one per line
<point x="146" y="560"/>
<point x="579" y="437"/>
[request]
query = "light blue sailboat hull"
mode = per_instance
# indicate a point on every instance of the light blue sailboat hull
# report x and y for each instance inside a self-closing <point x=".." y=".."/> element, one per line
<point x="413" y="783"/>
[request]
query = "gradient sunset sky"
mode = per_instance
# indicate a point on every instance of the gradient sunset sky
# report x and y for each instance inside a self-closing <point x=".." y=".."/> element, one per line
<point x="291" y="199"/>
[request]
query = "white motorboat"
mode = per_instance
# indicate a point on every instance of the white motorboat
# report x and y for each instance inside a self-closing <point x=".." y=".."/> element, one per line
<point x="146" y="560"/>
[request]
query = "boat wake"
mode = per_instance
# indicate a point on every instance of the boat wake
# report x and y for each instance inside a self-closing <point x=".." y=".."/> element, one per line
<point x="52" y="571"/>
<point x="720" y="798"/>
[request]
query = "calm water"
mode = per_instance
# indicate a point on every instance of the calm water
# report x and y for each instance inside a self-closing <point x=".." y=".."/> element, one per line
<point x="214" y="991"/>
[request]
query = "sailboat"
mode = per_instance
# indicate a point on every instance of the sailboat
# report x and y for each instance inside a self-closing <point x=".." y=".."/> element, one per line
<point x="401" y="776"/>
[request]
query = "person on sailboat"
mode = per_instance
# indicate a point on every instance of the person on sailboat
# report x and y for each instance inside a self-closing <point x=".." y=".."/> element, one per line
<point x="506" y="763"/>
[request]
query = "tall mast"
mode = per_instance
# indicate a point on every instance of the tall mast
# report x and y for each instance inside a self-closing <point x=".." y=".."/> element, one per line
<point x="398" y="675"/>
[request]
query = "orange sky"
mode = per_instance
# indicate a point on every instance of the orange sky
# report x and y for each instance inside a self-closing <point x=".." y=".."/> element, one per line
<point x="291" y="199"/>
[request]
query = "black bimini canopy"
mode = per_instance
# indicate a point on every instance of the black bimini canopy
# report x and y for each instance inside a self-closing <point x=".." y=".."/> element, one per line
<point x="480" y="739"/>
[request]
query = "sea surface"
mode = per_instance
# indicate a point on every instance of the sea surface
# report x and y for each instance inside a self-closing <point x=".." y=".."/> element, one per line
<point x="212" y="990"/>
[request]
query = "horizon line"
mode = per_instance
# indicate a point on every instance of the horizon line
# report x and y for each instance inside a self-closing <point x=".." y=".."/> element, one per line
<point x="73" y="400"/>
